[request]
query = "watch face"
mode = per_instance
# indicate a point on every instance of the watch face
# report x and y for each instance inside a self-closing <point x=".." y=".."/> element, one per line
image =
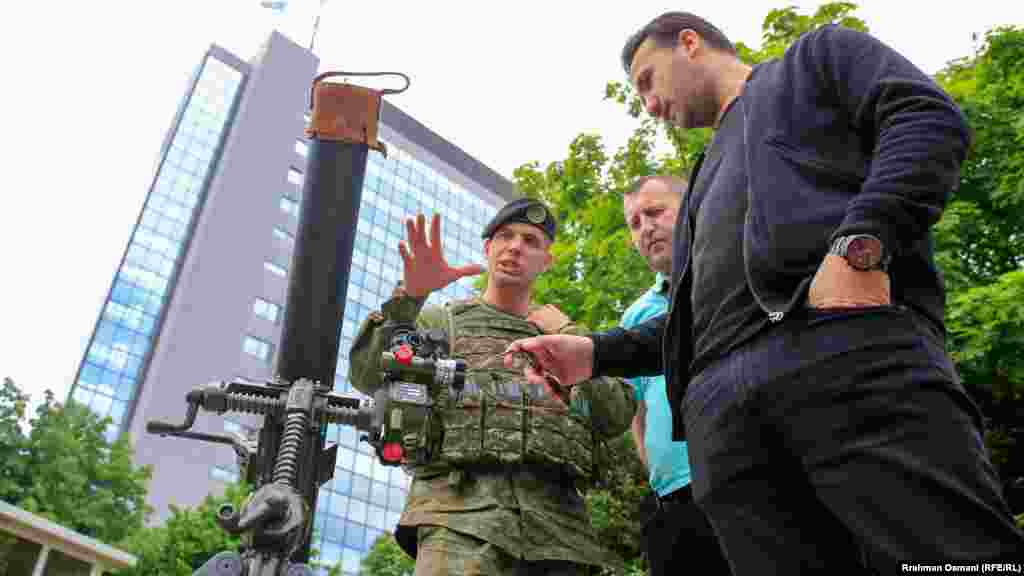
<point x="864" y="252"/>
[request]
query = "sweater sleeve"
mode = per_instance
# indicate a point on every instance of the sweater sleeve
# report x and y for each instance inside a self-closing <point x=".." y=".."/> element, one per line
<point x="919" y="136"/>
<point x="630" y="352"/>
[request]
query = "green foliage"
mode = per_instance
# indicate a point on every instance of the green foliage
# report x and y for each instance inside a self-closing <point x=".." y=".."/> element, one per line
<point x="64" y="469"/>
<point x="979" y="237"/>
<point x="188" y="538"/>
<point x="980" y="245"/>
<point x="986" y="326"/>
<point x="782" y="26"/>
<point x="14" y="479"/>
<point x="614" y="504"/>
<point x="386" y="558"/>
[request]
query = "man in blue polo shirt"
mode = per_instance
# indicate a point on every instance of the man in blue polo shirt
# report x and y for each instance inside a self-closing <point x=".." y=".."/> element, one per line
<point x="674" y="530"/>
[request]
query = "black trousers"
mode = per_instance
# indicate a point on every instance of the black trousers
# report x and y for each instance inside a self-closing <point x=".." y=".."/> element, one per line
<point x="842" y="441"/>
<point x="677" y="537"/>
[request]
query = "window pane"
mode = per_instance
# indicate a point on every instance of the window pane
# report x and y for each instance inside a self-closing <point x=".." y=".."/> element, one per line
<point x="275" y="269"/>
<point x="350" y="560"/>
<point x="396" y="498"/>
<point x="377" y="517"/>
<point x="357" y="510"/>
<point x="354" y="535"/>
<point x="289" y="206"/>
<point x="256" y="347"/>
<point x="339" y="505"/>
<point x="266" y="310"/>
<point x="360" y="486"/>
<point x="223" y="474"/>
<point x="342" y="481"/>
<point x="282" y="234"/>
<point x="379" y="494"/>
<point x="363" y="464"/>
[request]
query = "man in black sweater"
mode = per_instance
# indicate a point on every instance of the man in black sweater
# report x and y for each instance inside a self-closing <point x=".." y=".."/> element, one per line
<point x="803" y="351"/>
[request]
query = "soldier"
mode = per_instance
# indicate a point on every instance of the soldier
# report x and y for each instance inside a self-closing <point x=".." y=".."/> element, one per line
<point x="500" y="494"/>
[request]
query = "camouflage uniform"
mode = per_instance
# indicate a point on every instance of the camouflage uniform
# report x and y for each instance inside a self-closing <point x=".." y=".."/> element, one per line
<point x="480" y="515"/>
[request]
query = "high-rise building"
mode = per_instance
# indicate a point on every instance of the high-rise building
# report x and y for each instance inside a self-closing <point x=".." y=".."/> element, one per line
<point x="200" y="292"/>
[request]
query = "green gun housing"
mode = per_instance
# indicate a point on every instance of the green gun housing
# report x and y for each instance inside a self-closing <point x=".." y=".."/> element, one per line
<point x="416" y="376"/>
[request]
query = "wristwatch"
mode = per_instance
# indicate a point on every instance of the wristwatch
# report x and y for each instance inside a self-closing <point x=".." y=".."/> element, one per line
<point x="862" y="251"/>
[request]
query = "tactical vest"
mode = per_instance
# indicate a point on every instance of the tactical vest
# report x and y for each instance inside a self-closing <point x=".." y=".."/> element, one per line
<point x="499" y="418"/>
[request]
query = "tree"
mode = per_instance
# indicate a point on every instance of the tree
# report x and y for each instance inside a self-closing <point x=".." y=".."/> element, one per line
<point x="980" y="246"/>
<point x="189" y="538"/>
<point x="65" y="470"/>
<point x="386" y="558"/>
<point x="782" y="26"/>
<point x="13" y="474"/>
<point x="613" y="503"/>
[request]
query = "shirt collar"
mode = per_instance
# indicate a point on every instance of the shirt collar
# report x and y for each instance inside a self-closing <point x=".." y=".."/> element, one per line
<point x="661" y="284"/>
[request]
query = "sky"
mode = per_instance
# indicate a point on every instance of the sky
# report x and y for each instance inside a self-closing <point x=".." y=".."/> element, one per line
<point x="90" y="89"/>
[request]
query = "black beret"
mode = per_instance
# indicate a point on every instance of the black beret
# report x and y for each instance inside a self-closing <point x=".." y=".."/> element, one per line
<point x="527" y="211"/>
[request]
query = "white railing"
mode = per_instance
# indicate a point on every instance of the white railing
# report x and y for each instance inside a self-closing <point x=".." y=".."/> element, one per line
<point x="54" y="539"/>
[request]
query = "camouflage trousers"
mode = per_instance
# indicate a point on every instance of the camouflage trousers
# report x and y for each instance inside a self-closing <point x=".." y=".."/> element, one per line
<point x="443" y="552"/>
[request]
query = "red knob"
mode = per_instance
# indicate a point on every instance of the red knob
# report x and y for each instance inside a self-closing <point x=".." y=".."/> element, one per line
<point x="393" y="452"/>
<point x="404" y="354"/>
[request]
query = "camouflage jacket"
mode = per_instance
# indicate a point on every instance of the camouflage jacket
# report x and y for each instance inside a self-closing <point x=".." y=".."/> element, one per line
<point x="526" y="509"/>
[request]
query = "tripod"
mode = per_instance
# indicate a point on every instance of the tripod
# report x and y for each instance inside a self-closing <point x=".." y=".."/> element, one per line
<point x="290" y="462"/>
<point x="276" y="519"/>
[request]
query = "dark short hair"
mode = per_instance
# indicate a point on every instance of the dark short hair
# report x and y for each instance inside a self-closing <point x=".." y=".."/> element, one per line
<point x="664" y="31"/>
<point x="674" y="183"/>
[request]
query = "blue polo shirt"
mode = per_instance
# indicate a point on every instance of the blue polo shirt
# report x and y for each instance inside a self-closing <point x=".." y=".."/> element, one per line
<point x="667" y="461"/>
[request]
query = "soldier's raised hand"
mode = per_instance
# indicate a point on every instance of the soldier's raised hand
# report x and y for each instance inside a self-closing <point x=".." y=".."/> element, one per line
<point x="425" y="268"/>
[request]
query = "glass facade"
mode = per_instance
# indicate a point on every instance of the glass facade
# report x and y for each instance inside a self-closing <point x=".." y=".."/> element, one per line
<point x="266" y="310"/>
<point x="257" y="348"/>
<point x="365" y="499"/>
<point x="289" y="206"/>
<point x="115" y="359"/>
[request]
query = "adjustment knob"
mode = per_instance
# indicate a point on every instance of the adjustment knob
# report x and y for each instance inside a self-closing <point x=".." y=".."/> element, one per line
<point x="404" y="354"/>
<point x="392" y="452"/>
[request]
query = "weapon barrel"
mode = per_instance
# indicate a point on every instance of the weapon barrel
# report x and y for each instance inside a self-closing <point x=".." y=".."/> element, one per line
<point x="320" y="264"/>
<point x="343" y="127"/>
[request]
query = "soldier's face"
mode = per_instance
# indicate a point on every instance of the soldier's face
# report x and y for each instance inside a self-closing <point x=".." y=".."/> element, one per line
<point x="517" y="253"/>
